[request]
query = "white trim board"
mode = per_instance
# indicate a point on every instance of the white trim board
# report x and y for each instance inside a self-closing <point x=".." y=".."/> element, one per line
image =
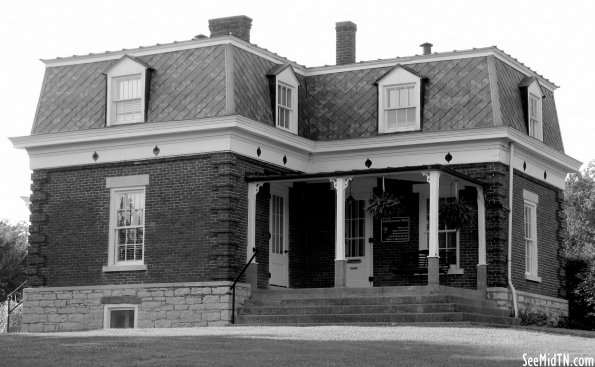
<point x="243" y="136"/>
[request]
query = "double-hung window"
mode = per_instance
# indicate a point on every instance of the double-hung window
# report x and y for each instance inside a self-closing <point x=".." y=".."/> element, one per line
<point x="530" y="235"/>
<point x="127" y="99"/>
<point x="126" y="248"/>
<point x="535" y="119"/>
<point x="400" y="107"/>
<point x="129" y="228"/>
<point x="285" y="106"/>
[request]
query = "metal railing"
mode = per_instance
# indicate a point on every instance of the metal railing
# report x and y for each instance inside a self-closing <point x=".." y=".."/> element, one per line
<point x="16" y="298"/>
<point x="233" y="288"/>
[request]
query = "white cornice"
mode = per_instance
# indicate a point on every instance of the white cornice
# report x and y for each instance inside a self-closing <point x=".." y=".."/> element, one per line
<point x="319" y="70"/>
<point x="243" y="136"/>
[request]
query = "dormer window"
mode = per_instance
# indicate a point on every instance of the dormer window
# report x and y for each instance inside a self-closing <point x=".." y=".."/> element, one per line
<point x="532" y="97"/>
<point x="535" y="121"/>
<point x="127" y="87"/>
<point x="399" y="101"/>
<point x="285" y="85"/>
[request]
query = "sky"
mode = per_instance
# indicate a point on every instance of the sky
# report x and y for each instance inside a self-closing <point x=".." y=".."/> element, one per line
<point x="554" y="38"/>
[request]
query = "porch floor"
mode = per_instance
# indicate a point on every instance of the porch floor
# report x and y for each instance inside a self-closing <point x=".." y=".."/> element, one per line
<point x="381" y="305"/>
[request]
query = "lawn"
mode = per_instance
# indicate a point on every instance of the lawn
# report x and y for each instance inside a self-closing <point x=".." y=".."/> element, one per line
<point x="295" y="346"/>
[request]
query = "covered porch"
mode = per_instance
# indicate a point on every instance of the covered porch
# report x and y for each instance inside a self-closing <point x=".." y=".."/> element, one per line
<point x="317" y="230"/>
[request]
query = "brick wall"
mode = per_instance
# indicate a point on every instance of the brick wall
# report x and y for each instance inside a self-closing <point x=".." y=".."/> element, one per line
<point x="550" y="232"/>
<point x="195" y="221"/>
<point x="495" y="175"/>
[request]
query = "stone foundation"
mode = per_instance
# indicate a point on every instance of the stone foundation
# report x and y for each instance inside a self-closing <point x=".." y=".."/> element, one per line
<point x="555" y="307"/>
<point x="159" y="305"/>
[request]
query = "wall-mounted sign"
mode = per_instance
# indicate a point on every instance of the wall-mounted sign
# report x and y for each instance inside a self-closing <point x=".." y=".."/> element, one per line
<point x="395" y="229"/>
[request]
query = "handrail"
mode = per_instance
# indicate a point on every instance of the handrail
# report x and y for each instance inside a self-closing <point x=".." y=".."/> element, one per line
<point x="13" y="296"/>
<point x="233" y="288"/>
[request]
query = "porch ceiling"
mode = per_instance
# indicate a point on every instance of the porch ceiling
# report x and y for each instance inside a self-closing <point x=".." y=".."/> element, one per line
<point x="404" y="172"/>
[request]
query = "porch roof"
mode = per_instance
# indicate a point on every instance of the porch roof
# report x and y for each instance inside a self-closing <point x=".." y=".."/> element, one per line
<point x="364" y="172"/>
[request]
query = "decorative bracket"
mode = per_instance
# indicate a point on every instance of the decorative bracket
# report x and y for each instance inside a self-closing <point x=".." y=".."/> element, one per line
<point x="346" y="181"/>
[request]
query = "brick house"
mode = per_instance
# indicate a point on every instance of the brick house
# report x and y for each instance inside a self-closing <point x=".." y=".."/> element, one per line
<point x="158" y="172"/>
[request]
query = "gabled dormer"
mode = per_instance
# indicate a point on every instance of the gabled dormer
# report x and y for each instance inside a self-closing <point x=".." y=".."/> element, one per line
<point x="532" y="95"/>
<point x="399" y="100"/>
<point x="128" y="81"/>
<point x="284" y="96"/>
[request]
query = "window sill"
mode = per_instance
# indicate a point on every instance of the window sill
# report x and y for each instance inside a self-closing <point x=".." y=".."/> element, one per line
<point x="456" y="271"/>
<point x="533" y="278"/>
<point x="114" y="268"/>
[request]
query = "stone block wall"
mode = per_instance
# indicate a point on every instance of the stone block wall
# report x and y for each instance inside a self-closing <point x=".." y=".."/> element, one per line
<point x="555" y="307"/>
<point x="159" y="305"/>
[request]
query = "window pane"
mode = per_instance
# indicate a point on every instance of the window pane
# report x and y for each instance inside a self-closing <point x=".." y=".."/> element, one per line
<point x="391" y="119"/>
<point x="121" y="319"/>
<point x="410" y="115"/>
<point x="355" y="228"/>
<point x="288" y="104"/>
<point x="392" y="98"/>
<point x="411" y="93"/>
<point x="401" y="116"/>
<point x="403" y="98"/>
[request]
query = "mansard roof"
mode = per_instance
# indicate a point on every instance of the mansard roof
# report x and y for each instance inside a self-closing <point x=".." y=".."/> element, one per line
<point x="462" y="89"/>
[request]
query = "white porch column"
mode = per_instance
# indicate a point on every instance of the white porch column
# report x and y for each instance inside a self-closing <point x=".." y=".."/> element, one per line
<point x="340" y="184"/>
<point x="433" y="178"/>
<point x="482" y="266"/>
<point x="252" y="271"/>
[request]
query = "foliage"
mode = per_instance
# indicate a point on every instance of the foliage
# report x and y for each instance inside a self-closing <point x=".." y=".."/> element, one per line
<point x="455" y="213"/>
<point x="13" y="250"/>
<point x="580" y="244"/>
<point x="385" y="205"/>
<point x="580" y="214"/>
<point x="538" y="317"/>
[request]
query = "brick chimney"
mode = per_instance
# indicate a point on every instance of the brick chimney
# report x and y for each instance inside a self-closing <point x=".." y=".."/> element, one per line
<point x="238" y="26"/>
<point x="345" y="42"/>
<point x="427" y="48"/>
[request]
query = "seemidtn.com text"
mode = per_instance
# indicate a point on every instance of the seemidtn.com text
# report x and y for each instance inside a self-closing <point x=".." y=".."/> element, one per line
<point x="557" y="359"/>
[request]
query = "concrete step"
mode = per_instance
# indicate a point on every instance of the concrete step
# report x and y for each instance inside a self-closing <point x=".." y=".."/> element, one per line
<point x="293" y="293"/>
<point x="369" y="306"/>
<point x="349" y="309"/>
<point x="349" y="318"/>
<point x="258" y="300"/>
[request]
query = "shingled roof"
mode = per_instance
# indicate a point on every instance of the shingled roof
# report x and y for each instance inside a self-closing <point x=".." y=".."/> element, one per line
<point x="335" y="102"/>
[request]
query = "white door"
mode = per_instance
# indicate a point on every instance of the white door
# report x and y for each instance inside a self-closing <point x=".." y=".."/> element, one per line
<point x="278" y="243"/>
<point x="357" y="248"/>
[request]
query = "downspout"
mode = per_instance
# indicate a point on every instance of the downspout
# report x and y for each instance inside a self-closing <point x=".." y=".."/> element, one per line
<point x="510" y="203"/>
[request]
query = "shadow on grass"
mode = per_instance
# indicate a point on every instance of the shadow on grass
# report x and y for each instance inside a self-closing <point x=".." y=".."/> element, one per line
<point x="27" y="350"/>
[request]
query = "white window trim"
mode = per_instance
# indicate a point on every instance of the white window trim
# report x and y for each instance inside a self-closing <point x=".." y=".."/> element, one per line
<point x="116" y="185"/>
<point x="532" y="200"/>
<point x="397" y="78"/>
<point x="287" y="79"/>
<point x="424" y="194"/>
<point x="534" y="92"/>
<point x="107" y="309"/>
<point x="125" y="68"/>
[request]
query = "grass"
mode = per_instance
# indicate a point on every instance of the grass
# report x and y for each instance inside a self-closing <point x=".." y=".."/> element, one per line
<point x="291" y="346"/>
